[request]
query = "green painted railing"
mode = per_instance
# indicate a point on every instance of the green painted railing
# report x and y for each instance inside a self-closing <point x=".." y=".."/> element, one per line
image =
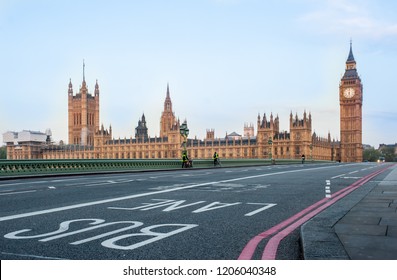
<point x="17" y="168"/>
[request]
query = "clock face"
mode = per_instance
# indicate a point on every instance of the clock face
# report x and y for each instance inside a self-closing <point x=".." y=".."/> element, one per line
<point x="348" y="93"/>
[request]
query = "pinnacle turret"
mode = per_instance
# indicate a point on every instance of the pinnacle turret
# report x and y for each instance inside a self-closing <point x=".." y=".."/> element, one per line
<point x="70" y="90"/>
<point x="96" y="93"/>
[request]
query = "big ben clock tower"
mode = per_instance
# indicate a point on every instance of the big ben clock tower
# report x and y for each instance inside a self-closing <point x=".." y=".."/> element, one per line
<point x="351" y="100"/>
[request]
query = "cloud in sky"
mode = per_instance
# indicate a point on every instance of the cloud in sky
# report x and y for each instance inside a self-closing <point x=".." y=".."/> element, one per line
<point x="360" y="18"/>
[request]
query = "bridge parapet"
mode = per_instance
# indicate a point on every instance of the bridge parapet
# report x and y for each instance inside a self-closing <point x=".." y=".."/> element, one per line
<point x="21" y="168"/>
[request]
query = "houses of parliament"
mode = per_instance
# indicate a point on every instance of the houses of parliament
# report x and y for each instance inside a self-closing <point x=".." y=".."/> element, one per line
<point x="87" y="139"/>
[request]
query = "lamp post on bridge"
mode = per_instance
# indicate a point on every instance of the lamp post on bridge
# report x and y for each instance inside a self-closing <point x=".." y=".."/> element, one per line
<point x="270" y="142"/>
<point x="184" y="131"/>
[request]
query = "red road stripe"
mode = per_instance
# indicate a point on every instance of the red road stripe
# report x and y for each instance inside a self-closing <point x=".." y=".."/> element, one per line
<point x="250" y="248"/>
<point x="271" y="248"/>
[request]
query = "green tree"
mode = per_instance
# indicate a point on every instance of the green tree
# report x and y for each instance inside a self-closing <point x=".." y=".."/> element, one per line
<point x="3" y="152"/>
<point x="371" y="154"/>
<point x="388" y="153"/>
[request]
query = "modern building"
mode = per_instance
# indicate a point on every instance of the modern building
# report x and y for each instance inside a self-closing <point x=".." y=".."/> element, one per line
<point x="88" y="140"/>
<point x="26" y="144"/>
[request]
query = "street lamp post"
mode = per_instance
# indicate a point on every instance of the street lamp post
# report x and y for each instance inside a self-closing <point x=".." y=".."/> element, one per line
<point x="184" y="131"/>
<point x="270" y="142"/>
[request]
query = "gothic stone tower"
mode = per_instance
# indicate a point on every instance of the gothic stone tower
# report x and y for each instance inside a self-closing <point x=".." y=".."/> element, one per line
<point x="301" y="135"/>
<point x="141" y="131"/>
<point x="168" y="120"/>
<point x="83" y="114"/>
<point x="351" y="100"/>
<point x="266" y="131"/>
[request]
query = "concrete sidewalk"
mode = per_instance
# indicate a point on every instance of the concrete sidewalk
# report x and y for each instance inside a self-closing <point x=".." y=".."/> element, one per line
<point x="362" y="226"/>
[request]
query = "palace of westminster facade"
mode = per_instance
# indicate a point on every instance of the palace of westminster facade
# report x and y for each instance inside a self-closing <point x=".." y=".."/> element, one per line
<point x="88" y="140"/>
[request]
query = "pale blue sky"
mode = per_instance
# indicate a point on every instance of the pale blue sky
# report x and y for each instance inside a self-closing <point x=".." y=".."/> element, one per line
<point x="225" y="61"/>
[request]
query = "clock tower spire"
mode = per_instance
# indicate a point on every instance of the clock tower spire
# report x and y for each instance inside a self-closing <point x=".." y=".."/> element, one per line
<point x="350" y="101"/>
<point x="350" y="58"/>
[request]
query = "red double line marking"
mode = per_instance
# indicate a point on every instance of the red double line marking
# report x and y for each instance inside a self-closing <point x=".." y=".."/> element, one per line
<point x="285" y="228"/>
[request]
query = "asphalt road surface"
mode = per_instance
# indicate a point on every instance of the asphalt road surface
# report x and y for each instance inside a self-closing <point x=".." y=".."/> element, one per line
<point x="218" y="213"/>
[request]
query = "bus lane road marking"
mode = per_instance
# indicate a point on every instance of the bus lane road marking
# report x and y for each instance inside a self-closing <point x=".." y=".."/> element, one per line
<point x="130" y="241"/>
<point x="172" y="205"/>
<point x="103" y="201"/>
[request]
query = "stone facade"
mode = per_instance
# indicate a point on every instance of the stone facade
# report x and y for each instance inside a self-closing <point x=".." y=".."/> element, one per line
<point x="283" y="145"/>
